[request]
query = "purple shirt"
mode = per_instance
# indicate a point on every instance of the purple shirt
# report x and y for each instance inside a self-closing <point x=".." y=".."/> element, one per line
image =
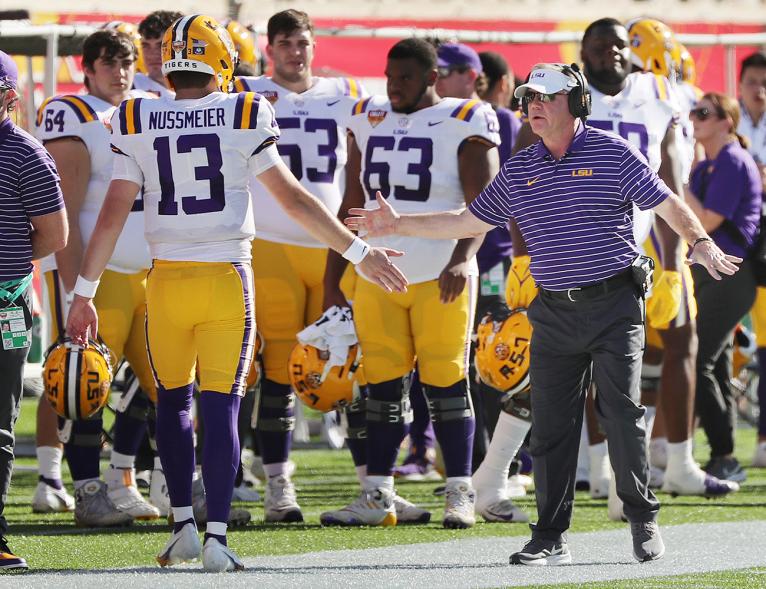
<point x="731" y="186"/>
<point x="29" y="187"/>
<point x="576" y="214"/>
<point x="497" y="243"/>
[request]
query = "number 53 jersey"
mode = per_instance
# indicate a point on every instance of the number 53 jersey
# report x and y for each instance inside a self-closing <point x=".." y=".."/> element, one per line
<point x="194" y="159"/>
<point x="312" y="144"/>
<point x="412" y="159"/>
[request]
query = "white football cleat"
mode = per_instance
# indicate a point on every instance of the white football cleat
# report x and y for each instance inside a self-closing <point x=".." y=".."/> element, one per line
<point x="503" y="511"/>
<point x="183" y="546"/>
<point x="517" y="485"/>
<point x="245" y="494"/>
<point x="94" y="509"/>
<point x="459" y="511"/>
<point x="48" y="499"/>
<point x="374" y="507"/>
<point x="158" y="492"/>
<point x="123" y="492"/>
<point x="409" y="513"/>
<point x="217" y="558"/>
<point x="280" y="503"/>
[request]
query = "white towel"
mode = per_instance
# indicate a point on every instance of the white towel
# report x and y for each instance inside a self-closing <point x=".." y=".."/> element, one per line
<point x="334" y="332"/>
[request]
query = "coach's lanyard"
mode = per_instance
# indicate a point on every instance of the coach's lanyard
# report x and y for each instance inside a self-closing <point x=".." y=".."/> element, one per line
<point x="11" y="289"/>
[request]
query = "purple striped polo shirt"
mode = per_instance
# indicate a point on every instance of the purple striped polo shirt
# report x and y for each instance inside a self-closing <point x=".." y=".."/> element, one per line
<point x="29" y="187"/>
<point x="575" y="214"/>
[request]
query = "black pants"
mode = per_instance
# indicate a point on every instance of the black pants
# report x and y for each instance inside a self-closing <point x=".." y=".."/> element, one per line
<point x="11" y="384"/>
<point x="721" y="304"/>
<point x="572" y="341"/>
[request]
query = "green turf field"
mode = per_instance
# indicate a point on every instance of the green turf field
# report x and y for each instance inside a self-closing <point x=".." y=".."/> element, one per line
<point x="325" y="479"/>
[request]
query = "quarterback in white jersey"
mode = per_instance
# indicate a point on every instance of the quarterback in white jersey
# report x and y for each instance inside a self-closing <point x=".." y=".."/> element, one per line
<point x="193" y="157"/>
<point x="427" y="154"/>
<point x="75" y="131"/>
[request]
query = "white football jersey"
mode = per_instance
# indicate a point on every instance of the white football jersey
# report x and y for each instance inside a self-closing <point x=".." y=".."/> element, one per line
<point x="147" y="84"/>
<point x="87" y="118"/>
<point x="641" y="113"/>
<point x="413" y="160"/>
<point x="312" y="126"/>
<point x="194" y="158"/>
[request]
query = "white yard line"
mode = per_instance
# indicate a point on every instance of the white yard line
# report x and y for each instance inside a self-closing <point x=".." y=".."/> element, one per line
<point x="482" y="562"/>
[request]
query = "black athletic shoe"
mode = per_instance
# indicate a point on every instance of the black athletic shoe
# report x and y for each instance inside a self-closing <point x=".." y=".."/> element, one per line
<point x="8" y="560"/>
<point x="726" y="469"/>
<point x="539" y="552"/>
<point x="647" y="542"/>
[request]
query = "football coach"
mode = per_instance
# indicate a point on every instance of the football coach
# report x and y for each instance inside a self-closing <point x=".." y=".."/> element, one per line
<point x="33" y="224"/>
<point x="572" y="196"/>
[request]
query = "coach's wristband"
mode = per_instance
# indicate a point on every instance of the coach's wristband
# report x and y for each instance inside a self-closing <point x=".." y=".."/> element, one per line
<point x="85" y="288"/>
<point x="357" y="251"/>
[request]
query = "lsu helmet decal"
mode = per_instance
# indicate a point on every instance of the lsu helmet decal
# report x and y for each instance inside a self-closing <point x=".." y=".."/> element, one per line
<point x="653" y="47"/>
<point x="320" y="387"/>
<point x="502" y="350"/>
<point x="131" y="31"/>
<point x="198" y="43"/>
<point x="77" y="379"/>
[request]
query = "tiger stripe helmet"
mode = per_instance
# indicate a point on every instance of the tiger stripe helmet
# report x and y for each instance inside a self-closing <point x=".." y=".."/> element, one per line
<point x="76" y="379"/>
<point x="653" y="47"/>
<point x="322" y="388"/>
<point x="131" y="31"/>
<point x="256" y="368"/>
<point x="502" y="350"/>
<point x="244" y="42"/>
<point x="198" y="43"/>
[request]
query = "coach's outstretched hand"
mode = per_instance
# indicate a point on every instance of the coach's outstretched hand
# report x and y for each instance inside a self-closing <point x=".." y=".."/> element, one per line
<point x="715" y="261"/>
<point x="378" y="267"/>
<point x="82" y="321"/>
<point x="373" y="222"/>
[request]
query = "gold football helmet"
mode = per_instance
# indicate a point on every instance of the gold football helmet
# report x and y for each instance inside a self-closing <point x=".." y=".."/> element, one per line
<point x="244" y="43"/>
<point x="198" y="43"/>
<point x="131" y="31"/>
<point x="256" y="368"/>
<point x="77" y="379"/>
<point x="320" y="388"/>
<point x="502" y="350"/>
<point x="745" y="347"/>
<point x="653" y="47"/>
<point x="688" y="67"/>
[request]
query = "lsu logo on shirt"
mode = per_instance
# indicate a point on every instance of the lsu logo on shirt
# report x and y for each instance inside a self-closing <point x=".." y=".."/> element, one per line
<point x="583" y="172"/>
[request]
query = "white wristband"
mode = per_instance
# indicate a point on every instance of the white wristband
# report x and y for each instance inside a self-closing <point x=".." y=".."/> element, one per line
<point x="85" y="288"/>
<point x="357" y="251"/>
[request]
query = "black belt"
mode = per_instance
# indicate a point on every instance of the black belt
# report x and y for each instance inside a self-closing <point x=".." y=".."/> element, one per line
<point x="591" y="291"/>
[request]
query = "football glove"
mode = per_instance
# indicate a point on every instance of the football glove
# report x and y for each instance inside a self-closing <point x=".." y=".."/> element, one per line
<point x="520" y="287"/>
<point x="665" y="301"/>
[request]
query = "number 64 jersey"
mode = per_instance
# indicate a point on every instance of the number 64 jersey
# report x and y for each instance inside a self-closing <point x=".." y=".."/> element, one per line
<point x="412" y="158"/>
<point x="194" y="159"/>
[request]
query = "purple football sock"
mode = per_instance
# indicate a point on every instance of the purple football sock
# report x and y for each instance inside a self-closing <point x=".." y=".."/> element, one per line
<point x="276" y="411"/>
<point x="175" y="442"/>
<point x="220" y="453"/>
<point x="221" y="539"/>
<point x="83" y="449"/>
<point x="130" y="425"/>
<point x="384" y="436"/>
<point x="454" y="433"/>
<point x="57" y="484"/>
<point x="762" y="392"/>
<point x="178" y="525"/>
<point x="421" y="428"/>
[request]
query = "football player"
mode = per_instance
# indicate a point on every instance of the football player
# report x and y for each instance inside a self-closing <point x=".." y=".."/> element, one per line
<point x="288" y="261"/>
<point x="643" y="109"/>
<point x="74" y="131"/>
<point x="752" y="94"/>
<point x="193" y="157"/>
<point x="461" y="75"/>
<point x="429" y="154"/>
<point x="151" y="30"/>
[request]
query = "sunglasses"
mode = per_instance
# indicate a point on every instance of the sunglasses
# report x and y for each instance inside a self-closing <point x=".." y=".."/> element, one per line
<point x="701" y="114"/>
<point x="530" y="97"/>
<point x="446" y="72"/>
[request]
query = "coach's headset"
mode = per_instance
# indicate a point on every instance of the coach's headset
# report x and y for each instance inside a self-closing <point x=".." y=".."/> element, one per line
<point x="579" y="97"/>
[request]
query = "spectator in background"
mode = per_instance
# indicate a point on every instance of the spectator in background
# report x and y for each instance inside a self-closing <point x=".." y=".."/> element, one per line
<point x="32" y="225"/>
<point x="499" y="93"/>
<point x="151" y="30"/>
<point x="725" y="194"/>
<point x="752" y="102"/>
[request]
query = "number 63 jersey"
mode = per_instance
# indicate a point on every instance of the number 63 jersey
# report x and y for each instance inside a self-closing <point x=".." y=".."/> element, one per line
<point x="412" y="159"/>
<point x="194" y="159"/>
